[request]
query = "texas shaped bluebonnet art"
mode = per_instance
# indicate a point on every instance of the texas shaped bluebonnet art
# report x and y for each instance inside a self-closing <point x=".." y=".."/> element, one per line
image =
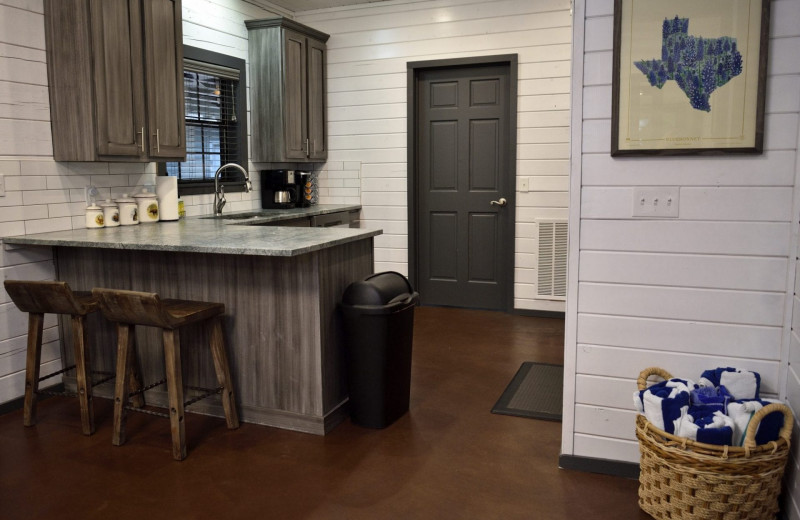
<point x="698" y="65"/>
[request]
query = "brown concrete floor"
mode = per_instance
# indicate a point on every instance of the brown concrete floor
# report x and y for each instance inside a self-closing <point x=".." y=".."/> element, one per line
<point x="448" y="458"/>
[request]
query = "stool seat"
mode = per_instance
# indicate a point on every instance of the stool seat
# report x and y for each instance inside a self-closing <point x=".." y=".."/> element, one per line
<point x="48" y="297"/>
<point x="38" y="298"/>
<point x="130" y="308"/>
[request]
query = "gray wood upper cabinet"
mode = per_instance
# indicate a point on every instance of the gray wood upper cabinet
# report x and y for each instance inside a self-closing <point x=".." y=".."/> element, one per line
<point x="115" y="74"/>
<point x="287" y="91"/>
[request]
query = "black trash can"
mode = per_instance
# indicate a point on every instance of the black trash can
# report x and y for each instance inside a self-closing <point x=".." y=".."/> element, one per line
<point x="378" y="314"/>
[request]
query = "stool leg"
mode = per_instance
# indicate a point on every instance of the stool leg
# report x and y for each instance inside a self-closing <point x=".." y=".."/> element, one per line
<point x="124" y="358"/>
<point x="134" y="374"/>
<point x="172" y="362"/>
<point x="32" y="362"/>
<point x="83" y="372"/>
<point x="223" y="373"/>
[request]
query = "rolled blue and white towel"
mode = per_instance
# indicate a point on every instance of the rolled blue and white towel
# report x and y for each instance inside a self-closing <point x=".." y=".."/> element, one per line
<point x="742" y="413"/>
<point x="704" y="424"/>
<point x="665" y="404"/>
<point x="740" y="384"/>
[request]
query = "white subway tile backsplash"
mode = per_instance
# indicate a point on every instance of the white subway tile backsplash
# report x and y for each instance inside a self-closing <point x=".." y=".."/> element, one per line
<point x="12" y="198"/>
<point x="144" y="179"/>
<point x="78" y="221"/>
<point x="12" y="229"/>
<point x="12" y="213"/>
<point x="108" y="181"/>
<point x="127" y="168"/>
<point x="45" y="197"/>
<point x="48" y="224"/>
<point x="88" y="168"/>
<point x="26" y="183"/>
<point x="64" y="182"/>
<point x="67" y="209"/>
<point x="9" y="168"/>
<point x="44" y="168"/>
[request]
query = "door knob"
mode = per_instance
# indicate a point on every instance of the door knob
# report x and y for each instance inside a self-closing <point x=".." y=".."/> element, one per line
<point x="501" y="202"/>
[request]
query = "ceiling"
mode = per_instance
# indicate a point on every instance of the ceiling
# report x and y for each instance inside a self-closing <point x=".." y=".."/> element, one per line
<point x="307" y="5"/>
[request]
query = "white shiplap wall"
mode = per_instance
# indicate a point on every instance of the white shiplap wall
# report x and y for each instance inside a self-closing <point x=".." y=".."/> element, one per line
<point x="42" y="195"/>
<point x="369" y="48"/>
<point x="710" y="288"/>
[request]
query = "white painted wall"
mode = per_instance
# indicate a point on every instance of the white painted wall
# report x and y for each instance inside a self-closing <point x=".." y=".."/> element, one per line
<point x="710" y="288"/>
<point x="369" y="48"/>
<point x="42" y="195"/>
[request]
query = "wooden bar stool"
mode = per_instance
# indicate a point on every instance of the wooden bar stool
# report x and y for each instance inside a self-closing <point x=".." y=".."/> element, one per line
<point x="131" y="308"/>
<point x="38" y="298"/>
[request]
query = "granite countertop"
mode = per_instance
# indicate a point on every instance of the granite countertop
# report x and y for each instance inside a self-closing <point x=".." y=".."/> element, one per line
<point x="212" y="235"/>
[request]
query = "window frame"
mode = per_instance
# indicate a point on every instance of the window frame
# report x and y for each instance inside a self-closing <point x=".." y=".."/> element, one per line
<point x="232" y="62"/>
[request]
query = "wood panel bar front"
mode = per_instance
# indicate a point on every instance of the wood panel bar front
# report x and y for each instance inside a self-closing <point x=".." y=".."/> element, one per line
<point x="281" y="324"/>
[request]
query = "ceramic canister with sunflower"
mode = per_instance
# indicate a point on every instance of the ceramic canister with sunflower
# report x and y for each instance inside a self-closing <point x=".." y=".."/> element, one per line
<point x="94" y="216"/>
<point x="148" y="206"/>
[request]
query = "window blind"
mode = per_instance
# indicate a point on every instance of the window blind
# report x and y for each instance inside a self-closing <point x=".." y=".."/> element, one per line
<point x="212" y="124"/>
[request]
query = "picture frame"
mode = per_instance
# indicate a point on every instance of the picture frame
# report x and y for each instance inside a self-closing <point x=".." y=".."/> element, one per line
<point x="689" y="76"/>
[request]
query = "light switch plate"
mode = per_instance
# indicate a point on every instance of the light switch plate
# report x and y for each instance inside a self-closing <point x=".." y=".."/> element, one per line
<point x="660" y="202"/>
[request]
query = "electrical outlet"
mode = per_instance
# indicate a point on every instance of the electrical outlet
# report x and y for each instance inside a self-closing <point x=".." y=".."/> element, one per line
<point x="659" y="202"/>
<point x="2" y="185"/>
<point x="523" y="184"/>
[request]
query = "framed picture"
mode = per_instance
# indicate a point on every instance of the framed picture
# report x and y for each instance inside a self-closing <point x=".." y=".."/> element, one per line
<point x="689" y="76"/>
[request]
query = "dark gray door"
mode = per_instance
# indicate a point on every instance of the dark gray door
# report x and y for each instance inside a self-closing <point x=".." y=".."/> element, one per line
<point x="464" y="187"/>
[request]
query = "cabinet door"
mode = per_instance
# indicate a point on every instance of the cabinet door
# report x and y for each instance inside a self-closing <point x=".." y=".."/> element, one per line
<point x="317" y="135"/>
<point x="294" y="95"/>
<point x="163" y="44"/>
<point x="117" y="57"/>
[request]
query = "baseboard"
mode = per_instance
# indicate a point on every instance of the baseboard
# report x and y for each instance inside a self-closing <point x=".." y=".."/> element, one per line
<point x="18" y="403"/>
<point x="606" y="467"/>
<point x="539" y="314"/>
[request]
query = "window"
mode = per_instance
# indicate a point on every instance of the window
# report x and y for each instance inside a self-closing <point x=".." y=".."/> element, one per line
<point x="214" y="89"/>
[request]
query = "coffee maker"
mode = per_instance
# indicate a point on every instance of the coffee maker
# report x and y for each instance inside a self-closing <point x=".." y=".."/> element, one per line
<point x="279" y="189"/>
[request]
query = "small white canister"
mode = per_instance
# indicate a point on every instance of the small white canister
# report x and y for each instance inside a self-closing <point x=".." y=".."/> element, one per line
<point x="94" y="216"/>
<point x="148" y="206"/>
<point x="110" y="213"/>
<point x="128" y="211"/>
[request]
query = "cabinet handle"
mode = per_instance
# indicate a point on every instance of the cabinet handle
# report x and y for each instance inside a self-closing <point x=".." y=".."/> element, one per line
<point x="313" y="146"/>
<point x="141" y="133"/>
<point x="306" y="147"/>
<point x="158" y="142"/>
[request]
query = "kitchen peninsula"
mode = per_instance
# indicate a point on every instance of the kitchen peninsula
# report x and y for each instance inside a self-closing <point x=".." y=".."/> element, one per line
<point x="280" y="286"/>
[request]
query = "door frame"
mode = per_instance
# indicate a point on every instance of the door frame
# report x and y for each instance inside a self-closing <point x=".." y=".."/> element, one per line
<point x="414" y="68"/>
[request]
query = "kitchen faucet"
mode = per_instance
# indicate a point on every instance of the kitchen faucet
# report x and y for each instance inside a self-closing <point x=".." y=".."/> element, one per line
<point x="219" y="190"/>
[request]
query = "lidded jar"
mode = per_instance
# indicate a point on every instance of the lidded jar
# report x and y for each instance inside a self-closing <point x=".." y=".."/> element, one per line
<point x="94" y="216"/>
<point x="128" y="210"/>
<point x="110" y="213"/>
<point x="148" y="206"/>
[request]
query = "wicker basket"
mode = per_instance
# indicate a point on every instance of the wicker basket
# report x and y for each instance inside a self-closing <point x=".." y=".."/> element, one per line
<point x="684" y="479"/>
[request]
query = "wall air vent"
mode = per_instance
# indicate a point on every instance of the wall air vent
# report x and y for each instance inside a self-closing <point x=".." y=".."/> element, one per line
<point x="552" y="267"/>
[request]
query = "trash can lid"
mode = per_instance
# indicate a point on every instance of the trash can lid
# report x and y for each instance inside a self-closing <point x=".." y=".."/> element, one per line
<point x="377" y="289"/>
